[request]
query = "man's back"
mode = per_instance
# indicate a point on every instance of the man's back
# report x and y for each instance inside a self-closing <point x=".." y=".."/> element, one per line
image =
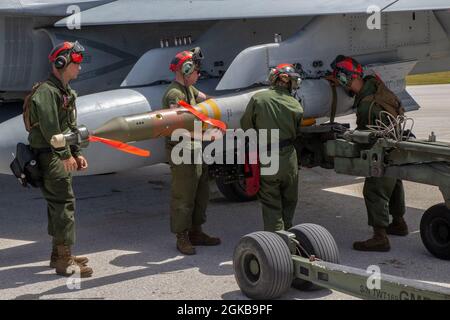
<point x="274" y="109"/>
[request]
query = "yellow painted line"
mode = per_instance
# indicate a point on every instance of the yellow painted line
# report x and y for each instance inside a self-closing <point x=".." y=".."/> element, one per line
<point x="203" y="110"/>
<point x="215" y="108"/>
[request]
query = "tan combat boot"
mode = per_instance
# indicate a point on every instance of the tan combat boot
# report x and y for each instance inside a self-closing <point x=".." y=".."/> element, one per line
<point x="183" y="243"/>
<point x="66" y="266"/>
<point x="82" y="261"/>
<point x="379" y="242"/>
<point x="199" y="238"/>
<point x="398" y="227"/>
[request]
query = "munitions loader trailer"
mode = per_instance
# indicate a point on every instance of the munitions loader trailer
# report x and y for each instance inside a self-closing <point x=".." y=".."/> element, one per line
<point x="267" y="264"/>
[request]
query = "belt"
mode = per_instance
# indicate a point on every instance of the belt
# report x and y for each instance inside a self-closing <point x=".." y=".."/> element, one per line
<point x="41" y="150"/>
<point x="282" y="144"/>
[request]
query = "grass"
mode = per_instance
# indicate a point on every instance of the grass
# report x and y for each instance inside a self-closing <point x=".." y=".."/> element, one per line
<point x="428" y="78"/>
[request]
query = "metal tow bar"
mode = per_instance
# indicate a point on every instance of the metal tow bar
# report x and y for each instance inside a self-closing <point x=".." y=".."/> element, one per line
<point x="360" y="283"/>
<point x="267" y="264"/>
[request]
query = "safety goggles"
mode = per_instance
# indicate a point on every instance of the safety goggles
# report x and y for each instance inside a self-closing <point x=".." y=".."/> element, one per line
<point x="294" y="76"/>
<point x="197" y="57"/>
<point x="296" y="82"/>
<point x="343" y="78"/>
<point x="76" y="53"/>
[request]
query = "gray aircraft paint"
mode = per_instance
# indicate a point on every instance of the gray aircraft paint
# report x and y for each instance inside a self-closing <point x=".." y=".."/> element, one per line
<point x="221" y="43"/>
<point x="108" y="72"/>
<point x="46" y="8"/>
<point x="135" y="27"/>
<point x="396" y="42"/>
<point x="142" y="11"/>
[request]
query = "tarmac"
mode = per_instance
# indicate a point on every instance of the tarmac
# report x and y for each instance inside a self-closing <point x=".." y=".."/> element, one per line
<point x="123" y="227"/>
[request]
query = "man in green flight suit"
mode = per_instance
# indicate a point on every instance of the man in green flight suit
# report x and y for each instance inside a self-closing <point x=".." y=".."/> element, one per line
<point x="277" y="109"/>
<point x="190" y="183"/>
<point x="383" y="196"/>
<point x="53" y="111"/>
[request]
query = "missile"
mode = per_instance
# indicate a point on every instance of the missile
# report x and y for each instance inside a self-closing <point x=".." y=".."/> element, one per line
<point x="229" y="109"/>
<point x="162" y="123"/>
<point x="315" y="95"/>
<point x="147" y="125"/>
<point x="97" y="110"/>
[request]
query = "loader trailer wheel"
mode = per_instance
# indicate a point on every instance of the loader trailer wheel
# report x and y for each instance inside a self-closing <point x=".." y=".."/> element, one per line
<point x="435" y="230"/>
<point x="263" y="265"/>
<point x="317" y="241"/>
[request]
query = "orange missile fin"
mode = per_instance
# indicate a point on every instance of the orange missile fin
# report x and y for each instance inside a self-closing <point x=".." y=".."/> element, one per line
<point x="121" y="146"/>
<point x="204" y="118"/>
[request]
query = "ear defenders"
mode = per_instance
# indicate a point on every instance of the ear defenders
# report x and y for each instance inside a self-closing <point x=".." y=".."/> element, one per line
<point x="187" y="61"/>
<point x="188" y="68"/>
<point x="343" y="79"/>
<point x="65" y="53"/>
<point x="60" y="62"/>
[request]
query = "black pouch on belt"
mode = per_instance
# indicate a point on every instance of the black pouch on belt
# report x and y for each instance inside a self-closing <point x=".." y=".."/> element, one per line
<point x="25" y="166"/>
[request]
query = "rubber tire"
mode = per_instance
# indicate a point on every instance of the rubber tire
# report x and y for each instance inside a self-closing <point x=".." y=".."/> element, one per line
<point x="275" y="265"/>
<point x="319" y="242"/>
<point x="438" y="213"/>
<point x="233" y="191"/>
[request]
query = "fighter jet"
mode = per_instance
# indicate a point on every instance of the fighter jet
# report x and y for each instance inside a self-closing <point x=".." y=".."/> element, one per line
<point x="130" y="43"/>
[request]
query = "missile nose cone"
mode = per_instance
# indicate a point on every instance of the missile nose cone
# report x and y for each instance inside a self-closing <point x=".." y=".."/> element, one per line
<point x="12" y="132"/>
<point x="116" y="129"/>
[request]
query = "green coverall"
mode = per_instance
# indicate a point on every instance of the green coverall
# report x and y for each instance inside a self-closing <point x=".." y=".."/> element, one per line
<point x="190" y="183"/>
<point x="278" y="193"/>
<point x="53" y="111"/>
<point x="383" y="196"/>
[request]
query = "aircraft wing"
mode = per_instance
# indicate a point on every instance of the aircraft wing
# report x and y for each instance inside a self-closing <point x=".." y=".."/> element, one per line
<point x="45" y="7"/>
<point x="149" y="11"/>
<point x="418" y="5"/>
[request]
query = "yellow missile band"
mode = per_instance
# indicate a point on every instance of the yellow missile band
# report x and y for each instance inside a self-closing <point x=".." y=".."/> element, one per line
<point x="215" y="108"/>
<point x="308" y="122"/>
<point x="203" y="110"/>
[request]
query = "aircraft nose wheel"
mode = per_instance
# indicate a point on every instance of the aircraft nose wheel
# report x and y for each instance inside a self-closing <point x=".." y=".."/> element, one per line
<point x="435" y="231"/>
<point x="263" y="266"/>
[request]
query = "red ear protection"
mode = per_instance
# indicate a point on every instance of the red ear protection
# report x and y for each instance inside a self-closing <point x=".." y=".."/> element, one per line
<point x="76" y="57"/>
<point x="66" y="52"/>
<point x="177" y="62"/>
<point x="345" y="69"/>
